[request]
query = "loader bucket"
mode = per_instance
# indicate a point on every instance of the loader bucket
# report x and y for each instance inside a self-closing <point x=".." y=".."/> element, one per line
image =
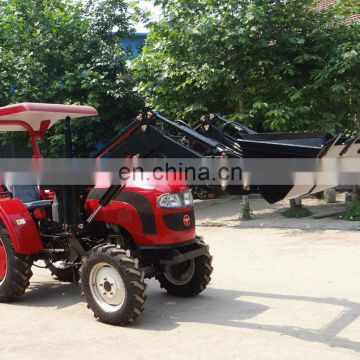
<point x="249" y="144"/>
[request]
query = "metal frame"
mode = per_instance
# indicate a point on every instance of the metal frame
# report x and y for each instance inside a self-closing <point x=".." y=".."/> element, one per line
<point x="155" y="138"/>
<point x="34" y="135"/>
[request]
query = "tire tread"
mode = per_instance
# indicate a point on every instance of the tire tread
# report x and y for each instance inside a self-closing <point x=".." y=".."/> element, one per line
<point x="133" y="278"/>
<point x="199" y="281"/>
<point x="18" y="272"/>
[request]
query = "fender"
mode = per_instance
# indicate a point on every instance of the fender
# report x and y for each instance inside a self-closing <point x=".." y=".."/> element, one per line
<point x="119" y="213"/>
<point x="147" y="225"/>
<point x="138" y="202"/>
<point x="21" y="227"/>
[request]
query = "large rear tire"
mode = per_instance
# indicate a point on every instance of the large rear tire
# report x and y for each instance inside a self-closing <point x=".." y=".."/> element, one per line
<point x="188" y="278"/>
<point x="15" y="269"/>
<point x="112" y="284"/>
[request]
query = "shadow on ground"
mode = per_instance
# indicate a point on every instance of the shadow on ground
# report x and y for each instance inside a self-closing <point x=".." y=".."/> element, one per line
<point x="215" y="306"/>
<point x="225" y="308"/>
<point x="51" y="294"/>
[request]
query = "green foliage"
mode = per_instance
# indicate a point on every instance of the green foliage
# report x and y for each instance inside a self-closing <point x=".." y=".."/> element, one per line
<point x="67" y="52"/>
<point x="274" y="65"/>
<point x="344" y="8"/>
<point x="199" y="192"/>
<point x="296" y="212"/>
<point x="353" y="214"/>
<point x="245" y="211"/>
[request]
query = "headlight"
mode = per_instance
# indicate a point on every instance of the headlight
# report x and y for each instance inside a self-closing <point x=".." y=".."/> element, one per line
<point x="188" y="198"/>
<point x="169" y="201"/>
<point x="175" y="200"/>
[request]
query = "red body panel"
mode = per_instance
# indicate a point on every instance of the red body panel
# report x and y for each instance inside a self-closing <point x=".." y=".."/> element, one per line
<point x="20" y="225"/>
<point x="127" y="216"/>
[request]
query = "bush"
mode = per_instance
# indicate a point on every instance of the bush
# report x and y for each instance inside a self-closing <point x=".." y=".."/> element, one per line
<point x="353" y="214"/>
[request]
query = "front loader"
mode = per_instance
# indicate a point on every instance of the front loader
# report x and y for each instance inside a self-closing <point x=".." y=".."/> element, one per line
<point x="107" y="239"/>
<point x="215" y="137"/>
<point x="110" y="239"/>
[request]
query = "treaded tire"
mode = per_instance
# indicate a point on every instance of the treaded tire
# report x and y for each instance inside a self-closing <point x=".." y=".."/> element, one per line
<point x="65" y="275"/>
<point x="196" y="284"/>
<point x="18" y="270"/>
<point x="131" y="276"/>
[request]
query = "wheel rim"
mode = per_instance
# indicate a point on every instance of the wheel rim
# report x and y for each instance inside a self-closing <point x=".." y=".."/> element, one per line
<point x="107" y="287"/>
<point x="182" y="273"/>
<point x="3" y="263"/>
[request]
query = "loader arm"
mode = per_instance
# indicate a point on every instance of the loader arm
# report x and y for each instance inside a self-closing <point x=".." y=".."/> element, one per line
<point x="161" y="137"/>
<point x="154" y="135"/>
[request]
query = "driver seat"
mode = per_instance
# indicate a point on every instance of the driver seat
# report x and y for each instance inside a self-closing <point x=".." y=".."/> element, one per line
<point x="30" y="196"/>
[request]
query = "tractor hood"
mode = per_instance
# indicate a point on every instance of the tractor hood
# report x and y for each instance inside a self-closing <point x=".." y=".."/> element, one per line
<point x="161" y="182"/>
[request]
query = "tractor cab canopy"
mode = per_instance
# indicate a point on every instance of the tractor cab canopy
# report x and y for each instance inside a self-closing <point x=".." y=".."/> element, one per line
<point x="36" y="118"/>
<point x="39" y="117"/>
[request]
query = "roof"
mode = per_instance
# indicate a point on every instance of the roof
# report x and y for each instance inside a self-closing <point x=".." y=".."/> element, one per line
<point x="35" y="114"/>
<point x="325" y="4"/>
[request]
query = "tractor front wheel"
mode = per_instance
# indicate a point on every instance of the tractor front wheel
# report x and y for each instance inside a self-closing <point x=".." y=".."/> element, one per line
<point x="112" y="284"/>
<point x="15" y="269"/>
<point x="188" y="278"/>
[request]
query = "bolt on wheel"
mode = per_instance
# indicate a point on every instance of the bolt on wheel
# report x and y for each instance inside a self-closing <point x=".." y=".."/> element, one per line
<point x="107" y="287"/>
<point x="112" y="284"/>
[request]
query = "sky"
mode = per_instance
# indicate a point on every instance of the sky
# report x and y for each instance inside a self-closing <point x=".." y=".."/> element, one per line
<point x="148" y="6"/>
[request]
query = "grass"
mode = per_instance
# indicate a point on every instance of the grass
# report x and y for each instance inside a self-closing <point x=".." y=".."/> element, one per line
<point x="246" y="213"/>
<point x="297" y="212"/>
<point x="353" y="214"/>
<point x="199" y="193"/>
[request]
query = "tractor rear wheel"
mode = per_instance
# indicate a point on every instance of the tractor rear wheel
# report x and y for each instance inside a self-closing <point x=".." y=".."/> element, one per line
<point x="112" y="284"/>
<point x="15" y="269"/>
<point x="188" y="278"/>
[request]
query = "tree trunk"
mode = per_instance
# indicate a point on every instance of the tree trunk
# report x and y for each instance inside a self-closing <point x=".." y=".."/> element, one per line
<point x="241" y="104"/>
<point x="356" y="192"/>
<point x="295" y="203"/>
<point x="245" y="210"/>
<point x="356" y="188"/>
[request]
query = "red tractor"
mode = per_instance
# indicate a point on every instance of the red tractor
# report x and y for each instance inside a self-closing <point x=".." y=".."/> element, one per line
<point x="109" y="240"/>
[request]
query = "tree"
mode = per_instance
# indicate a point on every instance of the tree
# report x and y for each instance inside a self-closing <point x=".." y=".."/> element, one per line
<point x="340" y="75"/>
<point x="68" y="52"/>
<point x="274" y="65"/>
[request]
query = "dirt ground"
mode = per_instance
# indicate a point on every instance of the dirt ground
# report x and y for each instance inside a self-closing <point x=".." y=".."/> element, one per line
<point x="224" y="211"/>
<point x="276" y="293"/>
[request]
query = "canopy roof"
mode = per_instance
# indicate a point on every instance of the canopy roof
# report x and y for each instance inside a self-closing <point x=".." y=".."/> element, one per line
<point x="40" y="116"/>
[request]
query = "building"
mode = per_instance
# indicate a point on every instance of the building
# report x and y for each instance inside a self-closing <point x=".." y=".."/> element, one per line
<point x="325" y="4"/>
<point x="134" y="44"/>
